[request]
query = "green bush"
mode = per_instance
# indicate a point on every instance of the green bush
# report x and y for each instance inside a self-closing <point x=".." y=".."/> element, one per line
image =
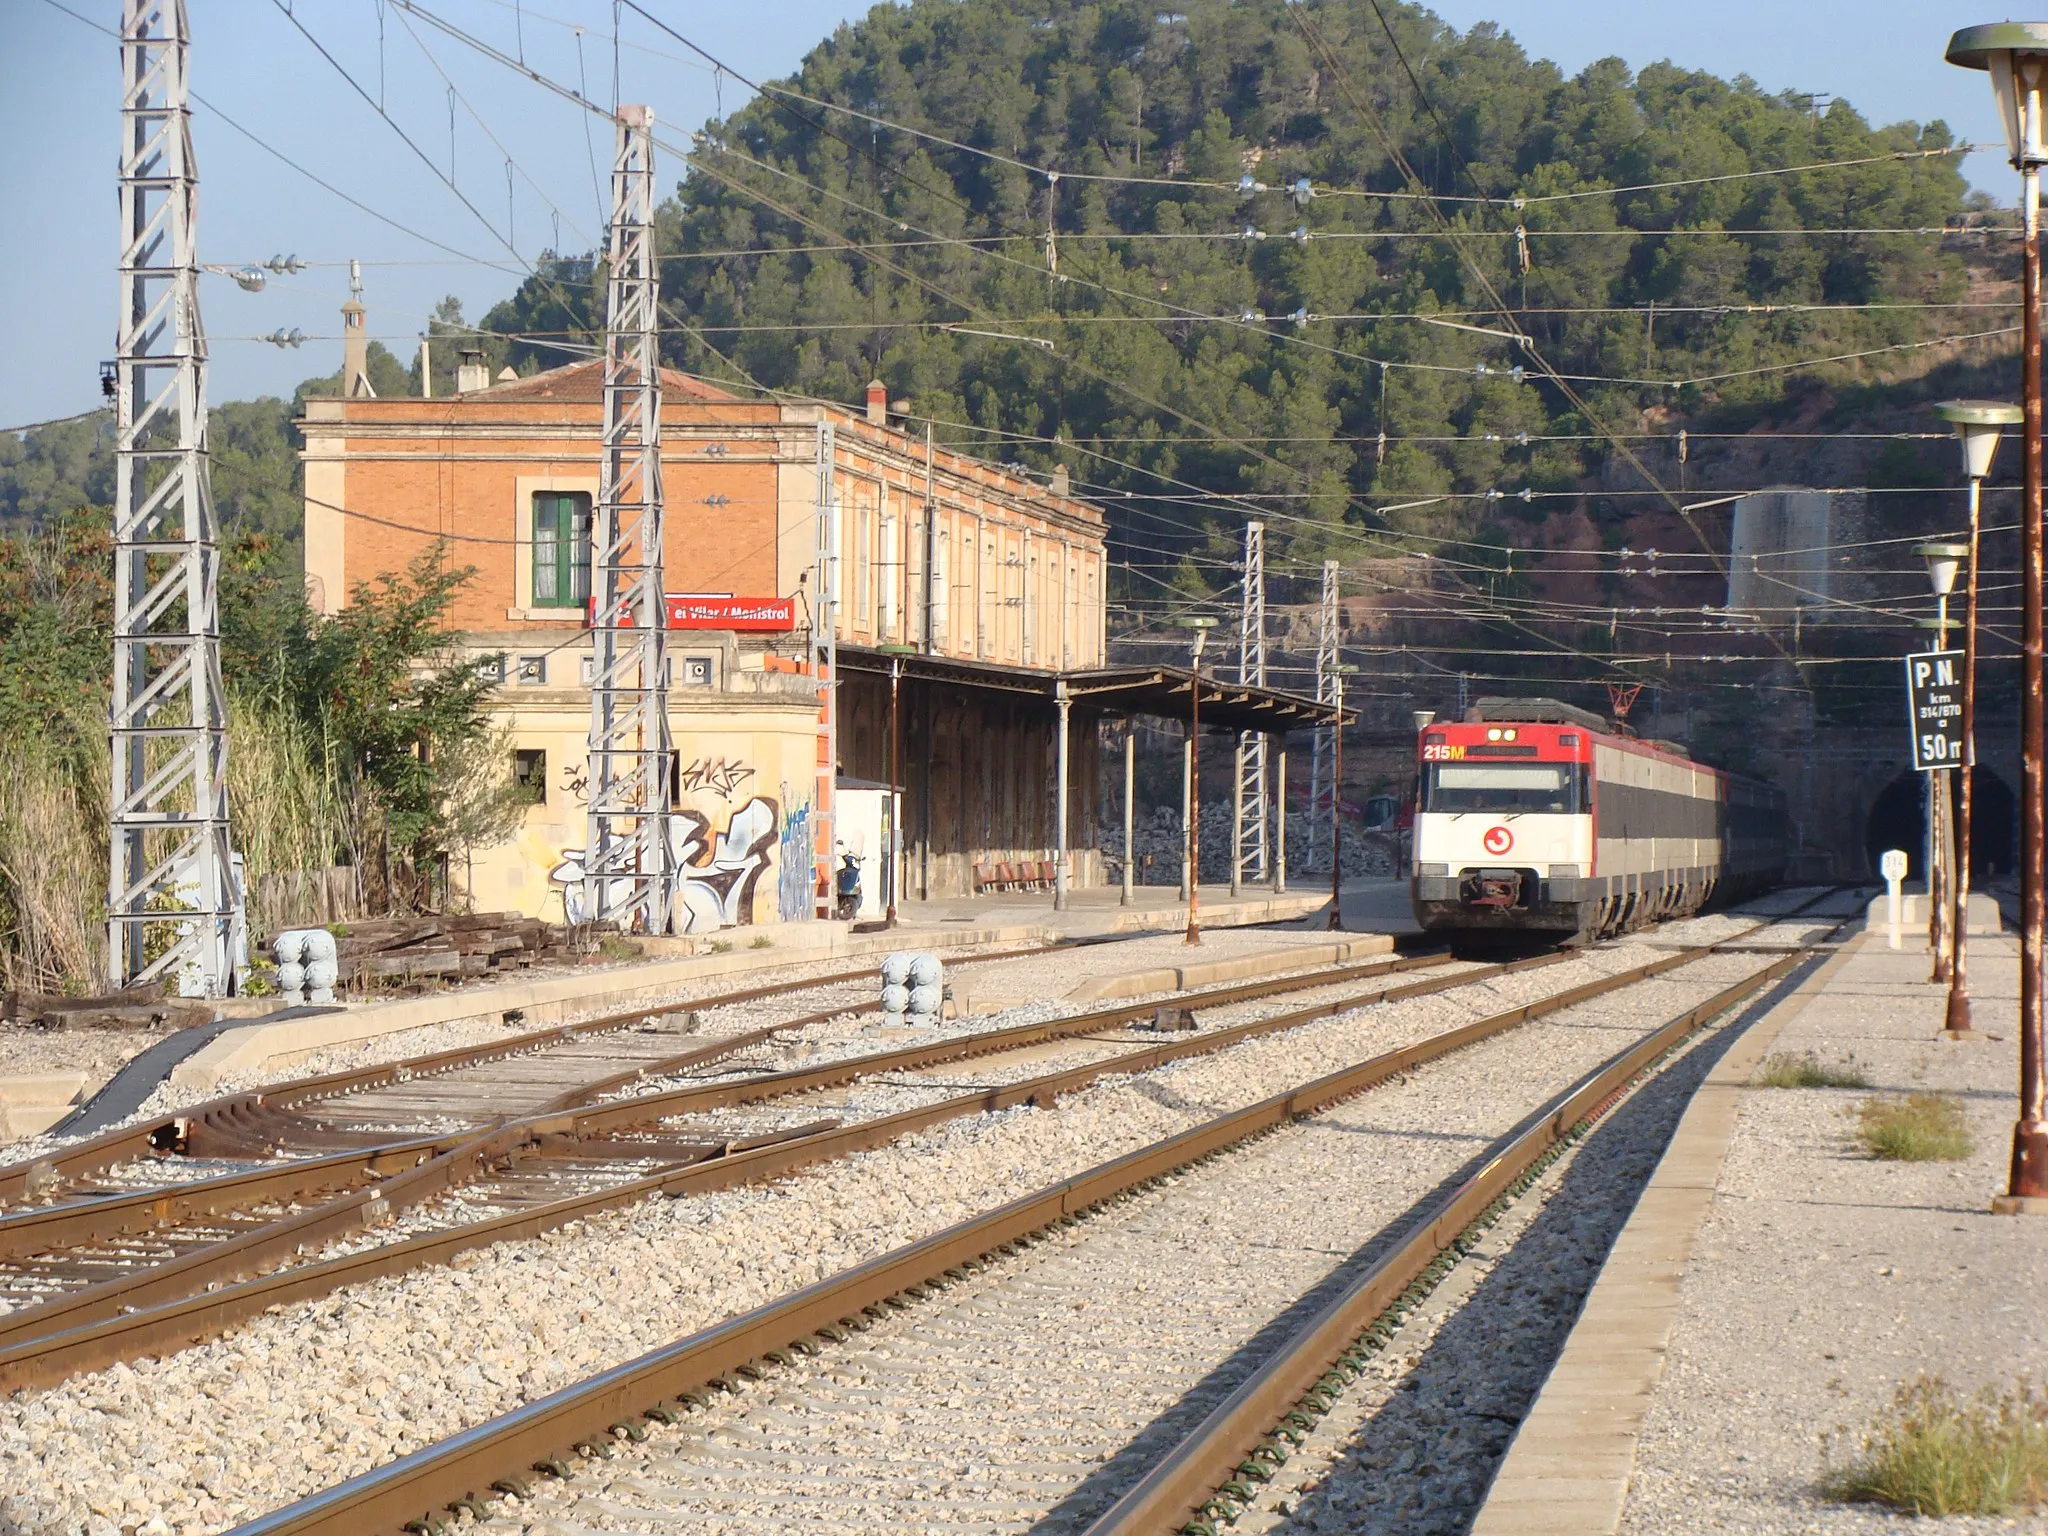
<point x="1936" y="1453"/>
<point x="1920" y="1128"/>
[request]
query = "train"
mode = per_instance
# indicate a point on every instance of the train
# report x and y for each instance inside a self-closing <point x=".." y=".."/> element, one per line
<point x="1537" y="818"/>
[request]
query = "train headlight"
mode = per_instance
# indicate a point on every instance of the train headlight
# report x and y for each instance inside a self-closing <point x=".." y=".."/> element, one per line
<point x="1493" y="734"/>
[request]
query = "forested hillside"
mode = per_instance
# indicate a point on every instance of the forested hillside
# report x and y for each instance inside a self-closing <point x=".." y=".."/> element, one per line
<point x="1156" y="295"/>
<point x="1070" y="175"/>
<point x="1229" y="261"/>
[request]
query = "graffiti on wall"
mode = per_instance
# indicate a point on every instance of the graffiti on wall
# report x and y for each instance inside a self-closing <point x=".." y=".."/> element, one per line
<point x="793" y="893"/>
<point x="720" y="868"/>
<point x="721" y="775"/>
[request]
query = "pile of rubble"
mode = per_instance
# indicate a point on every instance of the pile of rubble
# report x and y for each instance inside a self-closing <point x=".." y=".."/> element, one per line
<point x="402" y="950"/>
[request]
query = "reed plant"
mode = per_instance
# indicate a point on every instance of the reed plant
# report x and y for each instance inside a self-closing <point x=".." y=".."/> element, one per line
<point x="53" y="863"/>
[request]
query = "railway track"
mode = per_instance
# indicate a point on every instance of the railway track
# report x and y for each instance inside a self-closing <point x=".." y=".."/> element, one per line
<point x="126" y="1274"/>
<point x="881" y="1398"/>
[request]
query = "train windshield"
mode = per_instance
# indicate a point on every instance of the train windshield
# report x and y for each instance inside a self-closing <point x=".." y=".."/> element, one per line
<point x="1514" y="788"/>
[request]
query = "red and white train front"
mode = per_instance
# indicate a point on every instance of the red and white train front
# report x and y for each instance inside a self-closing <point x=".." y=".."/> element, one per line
<point x="1504" y="833"/>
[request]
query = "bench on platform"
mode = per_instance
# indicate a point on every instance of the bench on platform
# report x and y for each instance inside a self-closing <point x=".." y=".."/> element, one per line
<point x="1016" y="875"/>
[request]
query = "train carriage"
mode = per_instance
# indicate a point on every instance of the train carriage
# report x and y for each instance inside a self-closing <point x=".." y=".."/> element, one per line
<point x="1533" y="816"/>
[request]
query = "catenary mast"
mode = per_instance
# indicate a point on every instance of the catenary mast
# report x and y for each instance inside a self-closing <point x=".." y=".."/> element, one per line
<point x="174" y="908"/>
<point x="1320" y="783"/>
<point x="1250" y="848"/>
<point x="629" y="864"/>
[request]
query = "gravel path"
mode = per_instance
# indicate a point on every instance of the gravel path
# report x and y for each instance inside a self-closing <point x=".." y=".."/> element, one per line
<point x="1849" y="1276"/>
<point x="315" y="1392"/>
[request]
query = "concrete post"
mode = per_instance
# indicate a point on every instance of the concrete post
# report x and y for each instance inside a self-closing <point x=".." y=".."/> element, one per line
<point x="1130" y="810"/>
<point x="1059" y="888"/>
<point x="1187" y="811"/>
<point x="1280" y="817"/>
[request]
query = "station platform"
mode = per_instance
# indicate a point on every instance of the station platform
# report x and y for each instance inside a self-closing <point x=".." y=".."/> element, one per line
<point x="1370" y="906"/>
<point x="675" y="966"/>
<point x="1776" y="1286"/>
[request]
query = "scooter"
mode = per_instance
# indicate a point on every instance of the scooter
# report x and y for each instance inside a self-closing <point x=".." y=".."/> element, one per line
<point x="847" y="887"/>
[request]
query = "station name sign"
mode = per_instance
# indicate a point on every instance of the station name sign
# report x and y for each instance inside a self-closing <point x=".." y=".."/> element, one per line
<point x="752" y="615"/>
<point x="1934" y="703"/>
<point x="721" y="610"/>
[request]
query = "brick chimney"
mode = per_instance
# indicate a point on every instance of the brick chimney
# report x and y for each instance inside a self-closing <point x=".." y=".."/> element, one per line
<point x="878" y="403"/>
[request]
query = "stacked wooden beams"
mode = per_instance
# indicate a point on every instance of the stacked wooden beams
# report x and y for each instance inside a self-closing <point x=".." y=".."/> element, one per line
<point x="444" y="948"/>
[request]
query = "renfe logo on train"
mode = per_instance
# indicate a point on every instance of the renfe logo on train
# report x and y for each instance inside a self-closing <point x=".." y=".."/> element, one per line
<point x="1934" y="706"/>
<point x="1498" y="839"/>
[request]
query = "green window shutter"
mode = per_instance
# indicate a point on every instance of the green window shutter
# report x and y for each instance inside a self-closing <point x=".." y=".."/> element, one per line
<point x="561" y="549"/>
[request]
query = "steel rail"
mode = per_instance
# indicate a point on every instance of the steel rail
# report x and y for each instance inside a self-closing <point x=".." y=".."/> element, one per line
<point x="466" y="1467"/>
<point x="193" y="1297"/>
<point x="41" y="1229"/>
<point x="1237" y="1437"/>
<point x="168" y="1132"/>
<point x="454" y="1161"/>
<point x="46" y="1342"/>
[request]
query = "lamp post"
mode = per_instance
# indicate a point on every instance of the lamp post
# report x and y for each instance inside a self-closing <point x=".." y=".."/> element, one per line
<point x="2016" y="55"/>
<point x="1942" y="563"/>
<point x="895" y="653"/>
<point x="1978" y="424"/>
<point x="1193" y="829"/>
<point x="1337" y="675"/>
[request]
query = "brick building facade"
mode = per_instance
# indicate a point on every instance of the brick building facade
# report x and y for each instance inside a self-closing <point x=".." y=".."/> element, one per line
<point x="950" y="556"/>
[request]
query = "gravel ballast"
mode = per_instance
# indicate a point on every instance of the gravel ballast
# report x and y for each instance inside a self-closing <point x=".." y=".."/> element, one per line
<point x="318" y="1391"/>
<point x="1031" y="1397"/>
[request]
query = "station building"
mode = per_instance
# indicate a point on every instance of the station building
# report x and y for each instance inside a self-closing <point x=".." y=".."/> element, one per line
<point x="953" y="558"/>
<point x="969" y="637"/>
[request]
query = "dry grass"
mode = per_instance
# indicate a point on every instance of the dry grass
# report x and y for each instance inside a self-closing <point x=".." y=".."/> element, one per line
<point x="1920" y="1128"/>
<point x="284" y="810"/>
<point x="53" y="870"/>
<point x="1936" y="1453"/>
<point x="1806" y="1070"/>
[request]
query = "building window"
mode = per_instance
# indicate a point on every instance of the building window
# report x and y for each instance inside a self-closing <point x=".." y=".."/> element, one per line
<point x="530" y="775"/>
<point x="533" y="671"/>
<point x="561" y="549"/>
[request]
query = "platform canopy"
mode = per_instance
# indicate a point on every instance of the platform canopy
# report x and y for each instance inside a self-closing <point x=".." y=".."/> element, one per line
<point x="1165" y="692"/>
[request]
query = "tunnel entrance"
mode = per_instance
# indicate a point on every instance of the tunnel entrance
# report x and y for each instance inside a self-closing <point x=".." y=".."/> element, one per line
<point x="1898" y="819"/>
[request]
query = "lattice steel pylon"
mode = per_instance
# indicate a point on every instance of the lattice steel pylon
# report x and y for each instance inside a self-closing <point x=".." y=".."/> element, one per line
<point x="1251" y="844"/>
<point x="1320" y="766"/>
<point x="629" y="860"/>
<point x="174" y="908"/>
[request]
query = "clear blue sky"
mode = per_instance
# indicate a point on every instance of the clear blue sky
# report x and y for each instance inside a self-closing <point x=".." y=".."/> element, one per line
<point x="59" y="115"/>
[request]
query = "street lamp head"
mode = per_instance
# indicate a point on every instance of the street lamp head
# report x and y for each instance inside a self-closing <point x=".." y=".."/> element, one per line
<point x="1943" y="561"/>
<point x="1424" y="718"/>
<point x="2016" y="55"/>
<point x="1979" y="424"/>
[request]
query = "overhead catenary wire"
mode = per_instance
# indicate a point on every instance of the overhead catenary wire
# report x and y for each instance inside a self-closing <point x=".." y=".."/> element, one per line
<point x="1218" y="438"/>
